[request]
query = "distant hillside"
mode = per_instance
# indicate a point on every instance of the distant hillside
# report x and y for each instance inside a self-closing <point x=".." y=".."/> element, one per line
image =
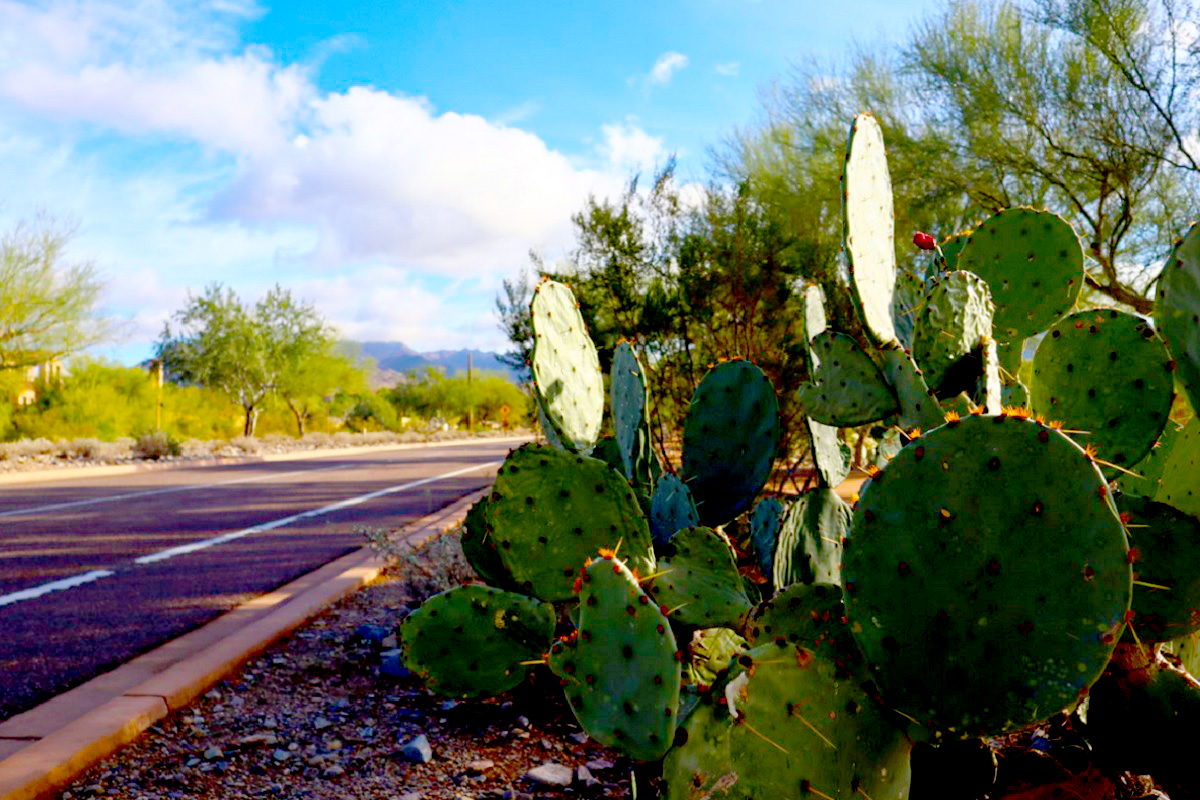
<point x="393" y="359"/>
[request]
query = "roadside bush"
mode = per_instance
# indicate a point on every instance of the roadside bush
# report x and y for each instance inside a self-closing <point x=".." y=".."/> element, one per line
<point x="156" y="445"/>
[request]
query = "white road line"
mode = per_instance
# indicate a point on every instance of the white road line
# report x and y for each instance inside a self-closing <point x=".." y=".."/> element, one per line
<point x="55" y="586"/>
<point x="163" y="555"/>
<point x="172" y="490"/>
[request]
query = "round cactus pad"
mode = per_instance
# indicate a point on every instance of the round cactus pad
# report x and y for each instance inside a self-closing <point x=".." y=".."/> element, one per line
<point x="868" y="230"/>
<point x="953" y="323"/>
<point x="504" y="629"/>
<point x="810" y="542"/>
<point x="729" y="440"/>
<point x="699" y="581"/>
<point x="1032" y="262"/>
<point x="809" y="726"/>
<point x="549" y="510"/>
<point x="1177" y="310"/>
<point x="566" y="369"/>
<point x="621" y="671"/>
<point x="480" y="549"/>
<point x="986" y="575"/>
<point x="1105" y="373"/>
<point x="671" y="508"/>
<point x="806" y="614"/>
<point x="1166" y="567"/>
<point x="847" y="388"/>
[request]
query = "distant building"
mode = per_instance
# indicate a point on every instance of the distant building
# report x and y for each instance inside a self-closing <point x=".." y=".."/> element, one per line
<point x="35" y="379"/>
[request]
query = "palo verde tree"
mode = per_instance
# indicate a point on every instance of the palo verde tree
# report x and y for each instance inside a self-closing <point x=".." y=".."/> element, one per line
<point x="246" y="352"/>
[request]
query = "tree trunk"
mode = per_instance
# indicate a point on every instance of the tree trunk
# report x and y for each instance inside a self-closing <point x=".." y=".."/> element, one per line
<point x="251" y="419"/>
<point x="299" y="418"/>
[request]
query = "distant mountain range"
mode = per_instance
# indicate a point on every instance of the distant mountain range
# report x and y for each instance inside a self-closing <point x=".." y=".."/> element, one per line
<point x="394" y="359"/>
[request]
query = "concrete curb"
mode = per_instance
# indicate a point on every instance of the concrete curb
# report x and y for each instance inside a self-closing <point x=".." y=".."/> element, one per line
<point x="47" y="747"/>
<point x="111" y="470"/>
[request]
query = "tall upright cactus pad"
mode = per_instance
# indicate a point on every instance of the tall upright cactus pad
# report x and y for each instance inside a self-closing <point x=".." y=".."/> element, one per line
<point x="1177" y="310"/>
<point x="631" y="415"/>
<point x="729" y="440"/>
<point x="566" y="369"/>
<point x="699" y="581"/>
<point x="951" y="326"/>
<point x="807" y="726"/>
<point x="1106" y="373"/>
<point x="765" y="522"/>
<point x="1166" y="568"/>
<point x="1180" y="484"/>
<point x="671" y="508"/>
<point x="809" y="549"/>
<point x="1032" y="262"/>
<point x="549" y="510"/>
<point x="847" y="388"/>
<point x="504" y="629"/>
<point x="919" y="406"/>
<point x="868" y="227"/>
<point x="828" y="455"/>
<point x="815" y="319"/>
<point x="992" y="542"/>
<point x="621" y="672"/>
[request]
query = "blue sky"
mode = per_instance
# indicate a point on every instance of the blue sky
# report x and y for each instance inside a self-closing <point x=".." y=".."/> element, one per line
<point x="390" y="163"/>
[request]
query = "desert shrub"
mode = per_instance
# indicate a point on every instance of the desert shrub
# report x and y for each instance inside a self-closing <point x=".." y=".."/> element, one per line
<point x="155" y="445"/>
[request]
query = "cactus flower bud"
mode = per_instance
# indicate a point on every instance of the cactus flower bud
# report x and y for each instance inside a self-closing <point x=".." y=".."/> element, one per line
<point x="924" y="241"/>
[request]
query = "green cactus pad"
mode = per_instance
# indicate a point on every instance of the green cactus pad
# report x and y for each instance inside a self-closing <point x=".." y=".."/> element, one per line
<point x="729" y="440"/>
<point x="951" y="326"/>
<point x="992" y="542"/>
<point x="699" y="766"/>
<point x="549" y="510"/>
<point x="1166" y="569"/>
<point x="868" y="227"/>
<point x="947" y="259"/>
<point x="699" y="581"/>
<point x="991" y="387"/>
<point x="1180" y="485"/>
<point x="503" y="629"/>
<point x="918" y="406"/>
<point x="480" y="549"/>
<point x="671" y="508"/>
<point x="1032" y="262"/>
<point x="808" y="725"/>
<point x="621" y="671"/>
<point x="847" y="389"/>
<point x="1107" y="373"/>
<point x="712" y="651"/>
<point x="804" y="614"/>
<point x="631" y="414"/>
<point x="829" y="455"/>
<point x="1176" y="310"/>
<point x="815" y="319"/>
<point x="566" y="369"/>
<point x="906" y="305"/>
<point x="887" y="446"/>
<point x="1145" y="478"/>
<point x="810" y="541"/>
<point x="764" y="531"/>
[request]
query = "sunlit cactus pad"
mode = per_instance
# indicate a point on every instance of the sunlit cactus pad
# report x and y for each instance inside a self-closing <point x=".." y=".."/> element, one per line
<point x="504" y="629"/>
<point x="847" y="387"/>
<point x="566" y="369"/>
<point x="621" y="672"/>
<point x="986" y="575"/>
<point x="697" y="578"/>
<point x="1107" y="374"/>
<point x="951" y="325"/>
<point x="549" y="510"/>
<point x="868" y="231"/>
<point x="1033" y="264"/>
<point x="729" y="440"/>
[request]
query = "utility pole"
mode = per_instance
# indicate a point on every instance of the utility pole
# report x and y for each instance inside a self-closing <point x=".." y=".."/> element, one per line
<point x="158" y="402"/>
<point x="470" y="397"/>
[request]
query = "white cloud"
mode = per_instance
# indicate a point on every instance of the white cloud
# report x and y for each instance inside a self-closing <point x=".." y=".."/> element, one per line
<point x="665" y="68"/>
<point x="729" y="69"/>
<point x="628" y="148"/>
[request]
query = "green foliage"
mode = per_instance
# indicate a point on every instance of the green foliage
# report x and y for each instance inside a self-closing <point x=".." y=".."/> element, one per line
<point x="428" y="393"/>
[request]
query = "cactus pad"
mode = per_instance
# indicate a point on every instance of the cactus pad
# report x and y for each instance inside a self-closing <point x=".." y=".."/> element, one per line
<point x="566" y="369"/>
<point x="1146" y="475"/>
<point x="621" y="671"/>
<point x="1106" y="373"/>
<point x="699" y="581"/>
<point x="1166" y="569"/>
<point x="847" y="388"/>
<point x="712" y="651"/>
<point x="952" y="325"/>
<point x="805" y="614"/>
<point x="810" y="542"/>
<point x="671" y="508"/>
<point x="1180" y="485"/>
<point x="1177" y="310"/>
<point x="868" y="227"/>
<point x="699" y="766"/>
<point x="992" y="542"/>
<point x="480" y="549"/>
<point x="918" y="406"/>
<point x="504" y="629"/>
<point x="549" y="510"/>
<point x="1032" y="262"/>
<point x="729" y="440"/>
<point x="764" y="531"/>
<point x="631" y="414"/>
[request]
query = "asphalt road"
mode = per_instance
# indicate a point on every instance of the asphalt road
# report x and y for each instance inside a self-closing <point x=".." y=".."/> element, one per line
<point x="96" y="571"/>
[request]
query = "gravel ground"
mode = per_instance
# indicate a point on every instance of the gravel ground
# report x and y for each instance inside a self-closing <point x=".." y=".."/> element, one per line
<point x="318" y="716"/>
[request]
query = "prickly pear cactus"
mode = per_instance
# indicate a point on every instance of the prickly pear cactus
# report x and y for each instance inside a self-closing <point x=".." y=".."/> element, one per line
<point x="1033" y="264"/>
<point x="699" y="765"/>
<point x="1146" y="475"/>
<point x="992" y="542"/>
<point x="1105" y="373"/>
<point x="480" y="549"/>
<point x="712" y="651"/>
<point x="807" y="614"/>
<point x="1180" y="483"/>
<point x="729" y="440"/>
<point x="566" y="369"/>
<point x="952" y="325"/>
<point x="621" y="672"/>
<point x="671" y="508"/>
<point x="809" y="548"/>
<point x="868" y="227"/>
<point x="504" y="629"/>
<point x="1166" y="569"/>
<point x="847" y="388"/>
<point x="699" y="581"/>
<point x="549" y="510"/>
<point x="765" y="521"/>
<point x="631" y="415"/>
<point x="1177" y="307"/>
<point x="918" y="406"/>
